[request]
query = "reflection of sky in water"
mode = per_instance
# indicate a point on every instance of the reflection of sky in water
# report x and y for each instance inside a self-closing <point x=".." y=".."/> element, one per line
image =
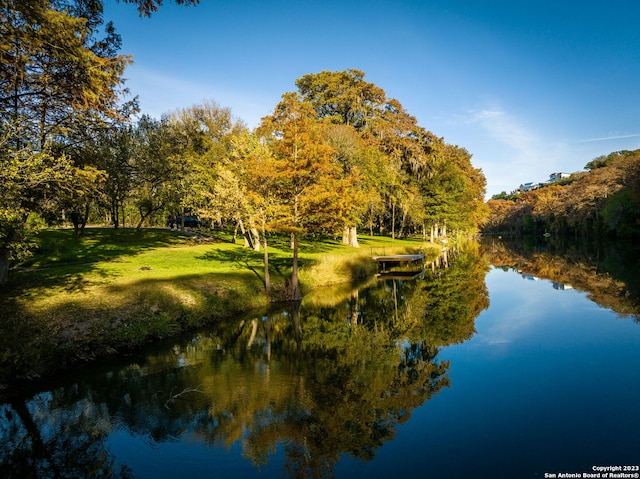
<point x="522" y="307"/>
<point x="550" y="382"/>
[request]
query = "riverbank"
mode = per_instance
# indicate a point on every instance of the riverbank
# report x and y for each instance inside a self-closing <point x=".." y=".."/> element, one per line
<point x="113" y="290"/>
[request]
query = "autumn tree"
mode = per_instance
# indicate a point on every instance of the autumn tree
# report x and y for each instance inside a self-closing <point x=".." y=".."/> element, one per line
<point x="603" y="201"/>
<point x="257" y="200"/>
<point x="418" y="165"/>
<point x="346" y="99"/>
<point x="303" y="175"/>
<point x="57" y="75"/>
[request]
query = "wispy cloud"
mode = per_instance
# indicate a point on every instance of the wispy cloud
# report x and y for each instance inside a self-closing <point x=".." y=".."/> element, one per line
<point x="504" y="128"/>
<point x="506" y="148"/>
<point x="607" y="138"/>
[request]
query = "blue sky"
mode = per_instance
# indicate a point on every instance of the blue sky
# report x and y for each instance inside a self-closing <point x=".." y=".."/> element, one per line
<point x="528" y="87"/>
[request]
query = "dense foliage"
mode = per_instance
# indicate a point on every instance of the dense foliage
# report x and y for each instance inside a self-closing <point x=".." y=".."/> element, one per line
<point x="601" y="202"/>
<point x="334" y="156"/>
<point x="60" y="90"/>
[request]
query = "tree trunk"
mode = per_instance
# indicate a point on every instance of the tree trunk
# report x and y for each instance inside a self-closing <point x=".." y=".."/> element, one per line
<point x="403" y="224"/>
<point x="75" y="220"/>
<point x="114" y="214"/>
<point x="267" y="276"/>
<point x="371" y="220"/>
<point x="5" y="260"/>
<point x="393" y="221"/>
<point x="293" y="288"/>
<point x="143" y="215"/>
<point x="245" y="234"/>
<point x="350" y="236"/>
<point x="85" y="218"/>
<point x="354" y="237"/>
<point x="255" y="239"/>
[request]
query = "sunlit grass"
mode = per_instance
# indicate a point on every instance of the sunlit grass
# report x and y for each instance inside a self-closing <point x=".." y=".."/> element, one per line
<point x="344" y="264"/>
<point x="119" y="288"/>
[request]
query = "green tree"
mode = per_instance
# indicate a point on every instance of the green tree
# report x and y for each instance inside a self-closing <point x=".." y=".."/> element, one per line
<point x="152" y="168"/>
<point x="56" y="80"/>
<point x="343" y="97"/>
<point x="202" y="138"/>
<point x="454" y="193"/>
<point x="425" y="180"/>
<point x="27" y="178"/>
<point x="115" y="158"/>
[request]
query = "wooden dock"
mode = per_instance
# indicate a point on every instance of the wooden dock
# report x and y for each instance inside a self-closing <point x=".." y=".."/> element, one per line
<point x="405" y="261"/>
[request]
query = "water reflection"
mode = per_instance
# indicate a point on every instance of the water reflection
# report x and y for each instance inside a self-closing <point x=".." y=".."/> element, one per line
<point x="607" y="272"/>
<point x="317" y="381"/>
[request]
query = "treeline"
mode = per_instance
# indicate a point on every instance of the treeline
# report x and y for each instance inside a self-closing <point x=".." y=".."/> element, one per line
<point x="601" y="202"/>
<point x="335" y="155"/>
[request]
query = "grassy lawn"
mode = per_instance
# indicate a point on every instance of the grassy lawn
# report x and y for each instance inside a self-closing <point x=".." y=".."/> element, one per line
<point x="116" y="289"/>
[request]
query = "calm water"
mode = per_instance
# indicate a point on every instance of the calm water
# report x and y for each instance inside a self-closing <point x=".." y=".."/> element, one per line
<point x="471" y="370"/>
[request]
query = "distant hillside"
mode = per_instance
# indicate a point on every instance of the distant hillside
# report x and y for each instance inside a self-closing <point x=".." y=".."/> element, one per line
<point x="604" y="201"/>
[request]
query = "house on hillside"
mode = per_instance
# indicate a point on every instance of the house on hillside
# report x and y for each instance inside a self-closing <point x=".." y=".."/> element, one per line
<point x="553" y="177"/>
<point x="530" y="187"/>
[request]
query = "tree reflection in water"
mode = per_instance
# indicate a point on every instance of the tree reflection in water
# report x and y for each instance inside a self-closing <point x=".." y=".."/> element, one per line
<point x="332" y="376"/>
<point x="607" y="272"/>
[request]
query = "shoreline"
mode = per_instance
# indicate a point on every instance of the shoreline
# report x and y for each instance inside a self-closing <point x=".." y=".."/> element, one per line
<point x="59" y="315"/>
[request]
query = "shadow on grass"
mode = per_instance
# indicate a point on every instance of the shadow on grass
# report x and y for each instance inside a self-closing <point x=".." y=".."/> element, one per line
<point x="60" y="257"/>
<point x="306" y="244"/>
<point x="75" y="330"/>
<point x="56" y="247"/>
<point x="248" y="259"/>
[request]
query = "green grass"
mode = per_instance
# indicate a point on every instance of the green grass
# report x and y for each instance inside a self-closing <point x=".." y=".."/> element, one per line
<point x="78" y="297"/>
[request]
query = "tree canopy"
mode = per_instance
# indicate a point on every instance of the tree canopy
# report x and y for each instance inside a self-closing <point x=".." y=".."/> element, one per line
<point x="334" y="156"/>
<point x="60" y="86"/>
<point x="147" y="7"/>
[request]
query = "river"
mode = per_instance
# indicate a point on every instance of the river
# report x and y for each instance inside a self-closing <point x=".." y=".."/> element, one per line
<point x="496" y="362"/>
